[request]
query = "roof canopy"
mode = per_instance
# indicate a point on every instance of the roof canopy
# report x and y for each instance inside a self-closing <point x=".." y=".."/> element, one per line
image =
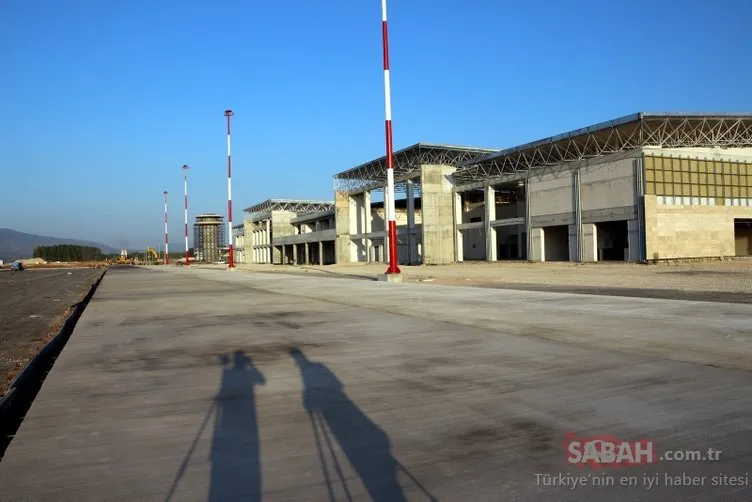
<point x="665" y="130"/>
<point x="407" y="162"/>
<point x="264" y="209"/>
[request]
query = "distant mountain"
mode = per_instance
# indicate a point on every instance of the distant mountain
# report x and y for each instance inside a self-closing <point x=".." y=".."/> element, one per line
<point x="15" y="245"/>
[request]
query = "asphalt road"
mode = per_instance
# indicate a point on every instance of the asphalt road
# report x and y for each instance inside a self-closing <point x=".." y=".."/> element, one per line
<point x="204" y="385"/>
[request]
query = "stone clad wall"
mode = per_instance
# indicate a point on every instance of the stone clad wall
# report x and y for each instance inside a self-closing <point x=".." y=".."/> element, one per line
<point x="677" y="231"/>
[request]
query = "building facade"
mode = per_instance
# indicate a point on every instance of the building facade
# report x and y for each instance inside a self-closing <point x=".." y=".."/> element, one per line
<point x="285" y="231"/>
<point x="644" y="187"/>
<point x="423" y="205"/>
<point x="238" y="243"/>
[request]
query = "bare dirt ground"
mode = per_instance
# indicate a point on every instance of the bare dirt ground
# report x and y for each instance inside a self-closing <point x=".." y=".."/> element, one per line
<point x="33" y="305"/>
<point x="713" y="281"/>
<point x="54" y="265"/>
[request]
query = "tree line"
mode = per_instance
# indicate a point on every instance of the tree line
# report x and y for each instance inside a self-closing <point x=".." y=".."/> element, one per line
<point x="69" y="252"/>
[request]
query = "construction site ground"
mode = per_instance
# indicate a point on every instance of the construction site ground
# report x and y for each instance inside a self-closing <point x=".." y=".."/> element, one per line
<point x="726" y="281"/>
<point x="191" y="384"/>
<point x="33" y="305"/>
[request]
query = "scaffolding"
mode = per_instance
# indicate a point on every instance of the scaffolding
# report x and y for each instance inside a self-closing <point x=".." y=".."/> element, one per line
<point x="209" y="237"/>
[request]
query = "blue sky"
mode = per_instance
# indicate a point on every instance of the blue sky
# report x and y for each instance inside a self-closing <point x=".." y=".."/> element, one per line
<point x="102" y="102"/>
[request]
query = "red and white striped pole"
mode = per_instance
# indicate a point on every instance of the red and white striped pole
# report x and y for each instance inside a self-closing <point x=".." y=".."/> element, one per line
<point x="185" y="215"/>
<point x="166" y="245"/>
<point x="231" y="257"/>
<point x="389" y="199"/>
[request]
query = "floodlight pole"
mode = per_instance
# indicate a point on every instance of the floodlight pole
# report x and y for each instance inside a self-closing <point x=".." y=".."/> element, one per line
<point x="185" y="212"/>
<point x="166" y="246"/>
<point x="231" y="257"/>
<point x="389" y="199"/>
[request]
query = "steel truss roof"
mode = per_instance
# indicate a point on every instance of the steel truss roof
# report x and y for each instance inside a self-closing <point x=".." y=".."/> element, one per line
<point x="407" y="162"/>
<point x="264" y="209"/>
<point x="626" y="133"/>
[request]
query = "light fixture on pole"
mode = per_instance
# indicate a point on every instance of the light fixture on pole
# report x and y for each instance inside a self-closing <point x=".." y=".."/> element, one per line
<point x="230" y="257"/>
<point x="389" y="195"/>
<point x="166" y="245"/>
<point x="185" y="215"/>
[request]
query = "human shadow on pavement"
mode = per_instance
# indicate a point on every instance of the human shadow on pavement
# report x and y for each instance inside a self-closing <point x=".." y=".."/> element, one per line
<point x="235" y="453"/>
<point x="365" y="444"/>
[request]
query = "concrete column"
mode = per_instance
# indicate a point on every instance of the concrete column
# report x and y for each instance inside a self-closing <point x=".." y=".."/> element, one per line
<point x="521" y="244"/>
<point x="459" y="249"/>
<point x="251" y="246"/>
<point x="576" y="251"/>
<point x="385" y="247"/>
<point x="436" y="210"/>
<point x="260" y="240"/>
<point x="412" y="248"/>
<point x="589" y="242"/>
<point x="295" y="254"/>
<point x="574" y="243"/>
<point x="307" y="254"/>
<point x="367" y="224"/>
<point x="634" y="240"/>
<point x="321" y="252"/>
<point x="490" y="215"/>
<point x="344" y="249"/>
<point x="537" y="244"/>
<point x="528" y="221"/>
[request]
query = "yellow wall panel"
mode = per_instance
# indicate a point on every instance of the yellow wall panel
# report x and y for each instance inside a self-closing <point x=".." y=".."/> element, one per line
<point x="697" y="177"/>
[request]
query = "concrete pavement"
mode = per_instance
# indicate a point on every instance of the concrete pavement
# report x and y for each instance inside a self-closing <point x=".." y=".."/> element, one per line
<point x="209" y="385"/>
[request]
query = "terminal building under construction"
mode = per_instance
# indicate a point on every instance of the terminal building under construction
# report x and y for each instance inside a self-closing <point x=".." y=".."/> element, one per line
<point x="645" y="187"/>
<point x="209" y="238"/>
